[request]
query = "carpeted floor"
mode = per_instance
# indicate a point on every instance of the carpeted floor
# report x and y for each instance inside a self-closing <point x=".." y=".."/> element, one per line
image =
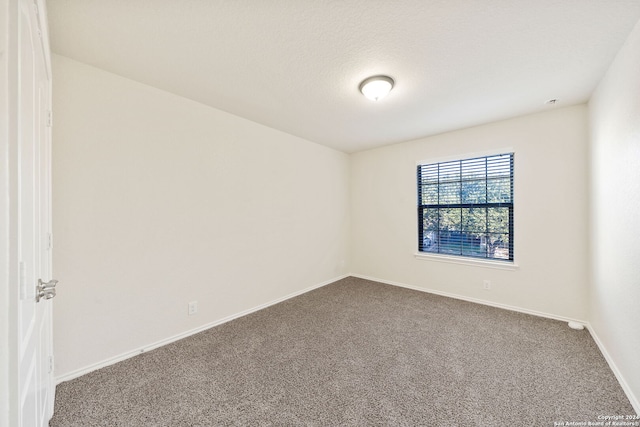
<point x="357" y="353"/>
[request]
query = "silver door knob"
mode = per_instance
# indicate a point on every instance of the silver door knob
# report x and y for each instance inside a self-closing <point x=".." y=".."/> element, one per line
<point x="46" y="290"/>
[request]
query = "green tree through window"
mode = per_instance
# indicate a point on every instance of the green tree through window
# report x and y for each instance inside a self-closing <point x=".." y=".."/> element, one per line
<point x="465" y="207"/>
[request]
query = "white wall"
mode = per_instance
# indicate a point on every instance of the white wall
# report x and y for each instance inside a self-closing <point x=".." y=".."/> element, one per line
<point x="550" y="214"/>
<point x="7" y="329"/>
<point x="615" y="212"/>
<point x="159" y="200"/>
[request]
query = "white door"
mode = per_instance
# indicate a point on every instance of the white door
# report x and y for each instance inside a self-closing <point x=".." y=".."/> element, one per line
<point x="33" y="157"/>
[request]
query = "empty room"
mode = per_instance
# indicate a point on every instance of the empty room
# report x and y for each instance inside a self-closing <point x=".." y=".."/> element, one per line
<point x="320" y="213"/>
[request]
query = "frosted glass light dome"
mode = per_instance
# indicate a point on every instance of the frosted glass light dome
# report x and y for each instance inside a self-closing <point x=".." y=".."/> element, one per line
<point x="376" y="87"/>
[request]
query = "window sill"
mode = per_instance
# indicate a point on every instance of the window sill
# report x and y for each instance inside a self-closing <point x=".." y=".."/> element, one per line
<point x="499" y="265"/>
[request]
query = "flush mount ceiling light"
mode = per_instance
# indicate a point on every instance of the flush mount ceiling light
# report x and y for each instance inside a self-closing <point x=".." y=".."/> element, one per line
<point x="376" y="87"/>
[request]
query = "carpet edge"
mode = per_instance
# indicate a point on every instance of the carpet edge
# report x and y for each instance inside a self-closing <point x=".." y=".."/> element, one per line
<point x="635" y="403"/>
<point x="129" y="354"/>
<point x="474" y="300"/>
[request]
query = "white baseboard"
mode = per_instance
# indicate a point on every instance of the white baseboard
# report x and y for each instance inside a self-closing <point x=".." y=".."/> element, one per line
<point x="625" y="387"/>
<point x="474" y="300"/>
<point x="635" y="402"/>
<point x="135" y="352"/>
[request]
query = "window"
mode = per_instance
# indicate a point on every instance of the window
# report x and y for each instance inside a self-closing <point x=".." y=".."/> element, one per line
<point x="465" y="207"/>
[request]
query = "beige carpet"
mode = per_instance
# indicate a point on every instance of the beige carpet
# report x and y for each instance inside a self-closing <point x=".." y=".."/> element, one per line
<point x="357" y="353"/>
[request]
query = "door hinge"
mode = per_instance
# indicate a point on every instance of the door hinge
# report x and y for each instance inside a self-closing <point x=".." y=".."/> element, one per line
<point x="49" y="118"/>
<point x="51" y="364"/>
<point x="49" y="241"/>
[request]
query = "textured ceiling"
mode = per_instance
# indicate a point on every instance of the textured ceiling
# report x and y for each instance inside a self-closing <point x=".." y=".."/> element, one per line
<point x="295" y="65"/>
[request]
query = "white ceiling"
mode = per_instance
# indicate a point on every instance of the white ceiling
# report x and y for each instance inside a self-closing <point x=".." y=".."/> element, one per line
<point x="295" y="65"/>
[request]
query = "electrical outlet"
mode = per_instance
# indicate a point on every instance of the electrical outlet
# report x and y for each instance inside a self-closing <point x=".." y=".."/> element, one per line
<point x="193" y="308"/>
<point x="486" y="285"/>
